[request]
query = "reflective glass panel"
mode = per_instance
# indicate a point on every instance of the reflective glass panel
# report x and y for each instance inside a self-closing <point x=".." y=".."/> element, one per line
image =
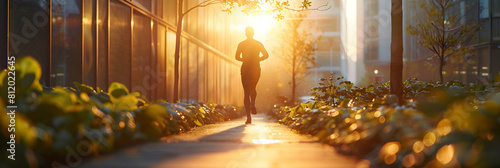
<point x="141" y="55"/>
<point x="120" y="44"/>
<point x="66" y="42"/>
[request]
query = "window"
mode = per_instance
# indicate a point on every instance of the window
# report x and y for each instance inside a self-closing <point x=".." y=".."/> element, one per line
<point x="371" y="8"/>
<point x="158" y="7"/>
<point x="35" y="42"/>
<point x="127" y="41"/>
<point x="170" y="11"/>
<point x="184" y="70"/>
<point x="484" y="9"/>
<point x="193" y="71"/>
<point x="211" y="77"/>
<point x="496" y="20"/>
<point x="66" y="43"/>
<point x="484" y="63"/>
<point x="371" y="50"/>
<point x="120" y="44"/>
<point x="170" y="64"/>
<point x="141" y="55"/>
<point x="495" y="29"/>
<point x="146" y="4"/>
<point x="161" y="70"/>
<point x="371" y="28"/>
<point x="201" y="75"/>
<point x="89" y="42"/>
<point x="495" y="8"/>
<point x="102" y="46"/>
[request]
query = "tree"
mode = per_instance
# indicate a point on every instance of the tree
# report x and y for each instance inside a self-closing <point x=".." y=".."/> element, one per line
<point x="296" y="49"/>
<point x="444" y="32"/>
<point x="248" y="7"/>
<point x="397" y="49"/>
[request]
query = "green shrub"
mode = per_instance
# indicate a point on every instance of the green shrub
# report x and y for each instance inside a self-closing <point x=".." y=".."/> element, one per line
<point x="442" y="125"/>
<point x="52" y="122"/>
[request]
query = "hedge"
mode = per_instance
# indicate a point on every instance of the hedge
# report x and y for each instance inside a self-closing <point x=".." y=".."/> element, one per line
<point x="57" y="126"/>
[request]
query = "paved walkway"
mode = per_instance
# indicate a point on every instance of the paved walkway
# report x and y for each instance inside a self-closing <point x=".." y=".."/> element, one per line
<point x="230" y="144"/>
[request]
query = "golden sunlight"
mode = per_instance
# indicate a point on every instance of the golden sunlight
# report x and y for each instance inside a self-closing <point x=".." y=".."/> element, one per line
<point x="261" y="23"/>
<point x="265" y="141"/>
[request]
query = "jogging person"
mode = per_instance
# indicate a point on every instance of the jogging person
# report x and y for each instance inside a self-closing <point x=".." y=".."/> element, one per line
<point x="248" y="52"/>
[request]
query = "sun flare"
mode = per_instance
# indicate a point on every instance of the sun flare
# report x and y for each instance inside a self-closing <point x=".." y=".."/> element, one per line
<point x="262" y="25"/>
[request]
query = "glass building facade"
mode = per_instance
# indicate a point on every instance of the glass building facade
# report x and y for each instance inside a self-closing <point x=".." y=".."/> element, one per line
<point x="97" y="42"/>
<point x="376" y="39"/>
<point x="328" y="47"/>
<point x="480" y="64"/>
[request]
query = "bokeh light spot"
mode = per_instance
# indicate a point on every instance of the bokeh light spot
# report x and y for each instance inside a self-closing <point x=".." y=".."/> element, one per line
<point x="392" y="147"/>
<point x="429" y="139"/>
<point x="347" y="120"/>
<point x="389" y="159"/>
<point x="353" y="126"/>
<point x="409" y="160"/>
<point x="444" y="127"/>
<point x="418" y="146"/>
<point x="490" y="136"/>
<point x="381" y="119"/>
<point x="445" y="154"/>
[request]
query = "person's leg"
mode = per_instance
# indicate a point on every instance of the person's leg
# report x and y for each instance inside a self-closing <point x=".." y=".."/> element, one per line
<point x="246" y="99"/>
<point x="247" y="104"/>
<point x="253" y="89"/>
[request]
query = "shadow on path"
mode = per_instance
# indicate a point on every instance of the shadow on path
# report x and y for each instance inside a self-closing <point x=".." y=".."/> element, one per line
<point x="265" y="144"/>
<point x="151" y="154"/>
<point x="234" y="135"/>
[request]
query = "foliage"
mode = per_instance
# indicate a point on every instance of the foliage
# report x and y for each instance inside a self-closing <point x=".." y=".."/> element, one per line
<point x="337" y="92"/>
<point x="52" y="122"/>
<point x="443" y="33"/>
<point x="269" y="6"/>
<point x="296" y="47"/>
<point x="446" y="125"/>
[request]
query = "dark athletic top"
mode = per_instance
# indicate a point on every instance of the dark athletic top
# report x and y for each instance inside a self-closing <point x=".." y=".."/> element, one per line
<point x="249" y="52"/>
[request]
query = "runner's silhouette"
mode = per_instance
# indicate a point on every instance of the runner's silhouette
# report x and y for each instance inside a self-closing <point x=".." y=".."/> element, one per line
<point x="248" y="52"/>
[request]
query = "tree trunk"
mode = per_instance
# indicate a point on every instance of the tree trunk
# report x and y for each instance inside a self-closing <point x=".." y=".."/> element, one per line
<point x="441" y="63"/>
<point x="397" y="49"/>
<point x="294" y="66"/>
<point x="294" y="86"/>
<point x="177" y="48"/>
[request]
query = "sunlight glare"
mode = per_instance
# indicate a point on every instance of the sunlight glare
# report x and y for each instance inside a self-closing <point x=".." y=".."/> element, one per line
<point x="261" y="22"/>
<point x="265" y="141"/>
<point x="262" y="25"/>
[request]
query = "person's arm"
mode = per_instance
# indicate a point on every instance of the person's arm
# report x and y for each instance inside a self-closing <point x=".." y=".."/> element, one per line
<point x="238" y="54"/>
<point x="265" y="55"/>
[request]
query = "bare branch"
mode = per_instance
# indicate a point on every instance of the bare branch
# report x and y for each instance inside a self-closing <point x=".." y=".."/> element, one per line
<point x="319" y="8"/>
<point x="449" y="30"/>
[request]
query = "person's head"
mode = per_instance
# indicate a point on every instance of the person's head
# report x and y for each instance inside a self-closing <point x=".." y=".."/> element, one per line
<point x="249" y="32"/>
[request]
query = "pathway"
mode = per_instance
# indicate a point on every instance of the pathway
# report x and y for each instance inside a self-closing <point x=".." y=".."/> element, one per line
<point x="264" y="143"/>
